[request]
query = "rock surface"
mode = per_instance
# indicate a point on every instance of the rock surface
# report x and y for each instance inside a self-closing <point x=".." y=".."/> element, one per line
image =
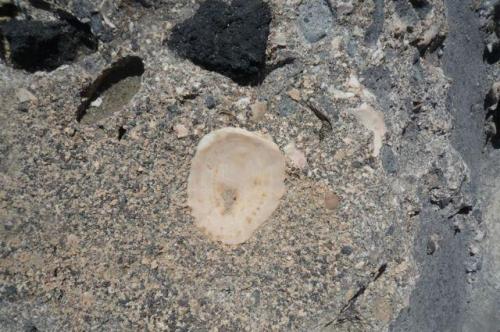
<point x="96" y="232"/>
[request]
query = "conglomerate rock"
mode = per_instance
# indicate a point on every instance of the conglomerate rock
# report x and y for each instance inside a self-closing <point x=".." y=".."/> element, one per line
<point x="96" y="232"/>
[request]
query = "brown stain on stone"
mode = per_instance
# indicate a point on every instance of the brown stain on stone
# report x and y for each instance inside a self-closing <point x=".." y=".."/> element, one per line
<point x="383" y="310"/>
<point x="226" y="197"/>
<point x="332" y="200"/>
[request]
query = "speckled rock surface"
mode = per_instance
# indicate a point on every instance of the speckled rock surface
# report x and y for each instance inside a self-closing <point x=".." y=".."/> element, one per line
<point x="95" y="230"/>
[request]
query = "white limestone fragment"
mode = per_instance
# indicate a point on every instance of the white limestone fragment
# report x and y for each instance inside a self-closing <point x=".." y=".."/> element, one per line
<point x="339" y="94"/>
<point x="297" y="157"/>
<point x="97" y="102"/>
<point x="373" y="121"/>
<point x="236" y="183"/>
<point x="181" y="131"/>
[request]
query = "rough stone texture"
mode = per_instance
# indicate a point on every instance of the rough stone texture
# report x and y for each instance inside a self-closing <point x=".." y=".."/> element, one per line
<point x="37" y="45"/>
<point x="112" y="90"/>
<point x="229" y="39"/>
<point x="315" y="19"/>
<point x="465" y="299"/>
<point x="375" y="29"/>
<point x="95" y="231"/>
<point x="8" y="8"/>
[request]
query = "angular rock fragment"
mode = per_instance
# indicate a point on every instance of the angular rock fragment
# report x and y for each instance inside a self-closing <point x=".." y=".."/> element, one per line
<point x="236" y="183"/>
<point x="25" y="96"/>
<point x="297" y="158"/>
<point x="228" y="39"/>
<point x="373" y="121"/>
<point x="258" y="109"/>
<point x="432" y="39"/>
<point x="332" y="200"/>
<point x="37" y="45"/>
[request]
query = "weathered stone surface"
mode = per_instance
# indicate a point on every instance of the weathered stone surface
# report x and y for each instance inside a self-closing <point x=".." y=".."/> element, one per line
<point x="315" y="19"/>
<point x="96" y="230"/>
<point x="37" y="45"/>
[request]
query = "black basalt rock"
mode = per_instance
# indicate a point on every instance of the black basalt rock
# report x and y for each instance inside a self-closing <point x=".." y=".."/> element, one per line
<point x="37" y="45"/>
<point x="228" y="39"/>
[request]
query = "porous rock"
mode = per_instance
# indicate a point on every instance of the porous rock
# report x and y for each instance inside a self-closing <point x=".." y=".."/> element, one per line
<point x="40" y="45"/>
<point x="228" y="39"/>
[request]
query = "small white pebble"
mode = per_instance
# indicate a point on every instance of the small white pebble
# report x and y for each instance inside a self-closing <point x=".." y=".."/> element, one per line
<point x="181" y="131"/>
<point x="23" y="95"/>
<point x="97" y="102"/>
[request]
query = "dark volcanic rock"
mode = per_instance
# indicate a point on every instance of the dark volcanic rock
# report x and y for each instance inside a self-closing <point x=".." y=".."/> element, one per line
<point x="373" y="32"/>
<point x="37" y="45"/>
<point x="228" y="39"/>
<point x="8" y="9"/>
<point x="492" y="54"/>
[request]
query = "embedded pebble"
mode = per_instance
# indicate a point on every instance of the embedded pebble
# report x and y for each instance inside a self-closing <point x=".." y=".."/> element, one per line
<point x="373" y="121"/>
<point x="210" y="102"/>
<point x="97" y="102"/>
<point x="297" y="157"/>
<point x="23" y="96"/>
<point x="294" y="94"/>
<point x="181" y="131"/>
<point x="315" y="19"/>
<point x="259" y="109"/>
<point x="332" y="201"/>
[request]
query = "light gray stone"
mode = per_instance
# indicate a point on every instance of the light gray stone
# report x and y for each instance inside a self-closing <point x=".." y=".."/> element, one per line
<point x="315" y="19"/>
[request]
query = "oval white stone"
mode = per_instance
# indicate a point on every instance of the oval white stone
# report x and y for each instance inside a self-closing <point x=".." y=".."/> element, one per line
<point x="236" y="183"/>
